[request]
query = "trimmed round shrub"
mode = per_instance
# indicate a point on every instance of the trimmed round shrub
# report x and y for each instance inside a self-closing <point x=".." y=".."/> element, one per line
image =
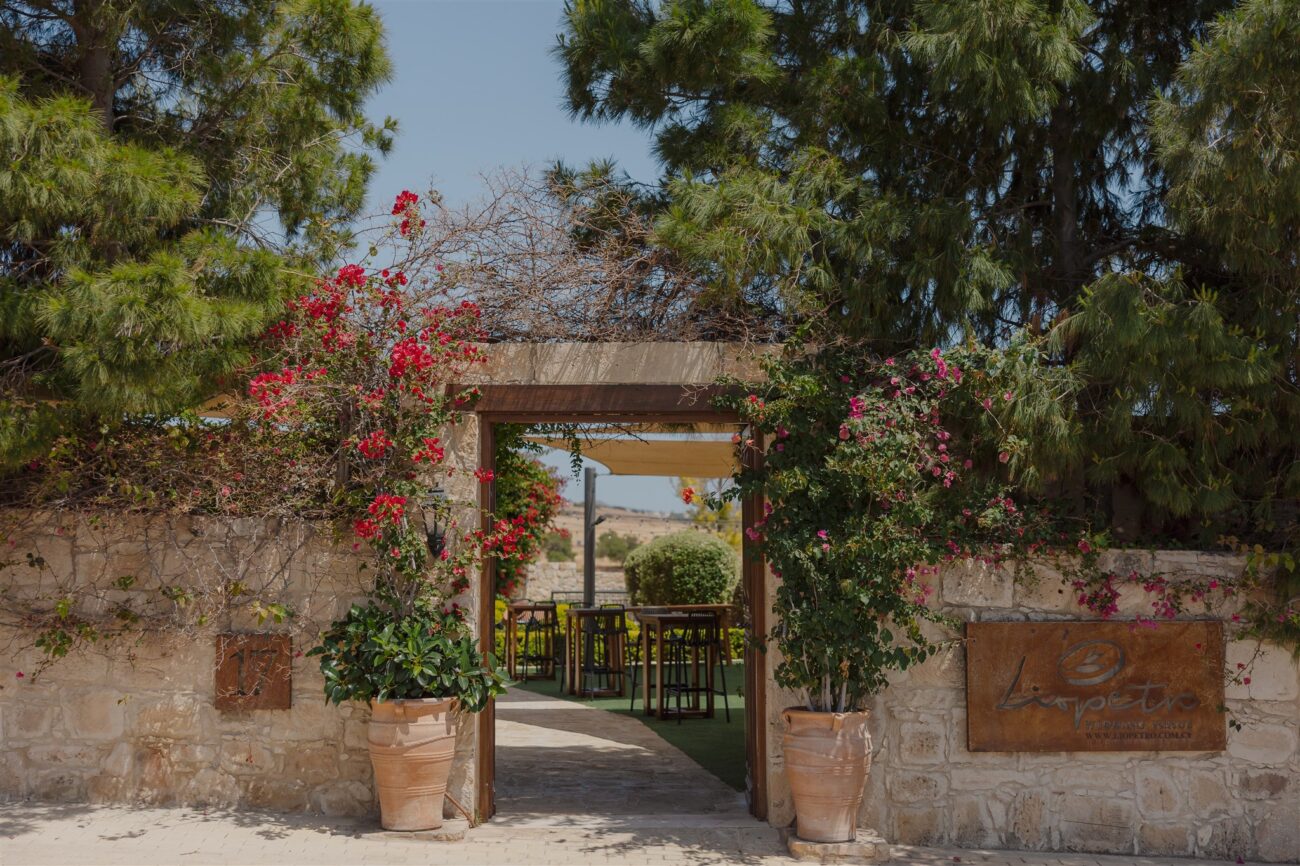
<point x="687" y="567"/>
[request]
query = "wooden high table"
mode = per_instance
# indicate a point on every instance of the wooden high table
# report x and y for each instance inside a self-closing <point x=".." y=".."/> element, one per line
<point x="579" y="625"/>
<point x="515" y="611"/>
<point x="659" y="619"/>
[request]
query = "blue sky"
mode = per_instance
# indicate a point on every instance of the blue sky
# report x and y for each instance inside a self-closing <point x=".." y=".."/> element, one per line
<point x="475" y="89"/>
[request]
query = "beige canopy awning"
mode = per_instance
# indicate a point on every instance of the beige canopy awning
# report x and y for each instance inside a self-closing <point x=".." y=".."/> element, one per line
<point x="692" y="458"/>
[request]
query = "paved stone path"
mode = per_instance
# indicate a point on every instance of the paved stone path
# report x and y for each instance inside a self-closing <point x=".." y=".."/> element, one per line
<point x="559" y="760"/>
<point x="576" y="786"/>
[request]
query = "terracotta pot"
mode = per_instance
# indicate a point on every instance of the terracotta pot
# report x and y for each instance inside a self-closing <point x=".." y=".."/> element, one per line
<point x="827" y="756"/>
<point x="411" y="746"/>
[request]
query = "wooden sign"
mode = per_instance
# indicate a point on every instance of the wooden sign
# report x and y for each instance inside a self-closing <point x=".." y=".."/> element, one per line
<point x="254" y="672"/>
<point x="1094" y="687"/>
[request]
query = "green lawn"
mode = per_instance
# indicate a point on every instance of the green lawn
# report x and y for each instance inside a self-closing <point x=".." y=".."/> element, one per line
<point x="714" y="744"/>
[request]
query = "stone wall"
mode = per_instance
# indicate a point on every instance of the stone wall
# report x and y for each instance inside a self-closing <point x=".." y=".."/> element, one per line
<point x="138" y="723"/>
<point x="547" y="577"/>
<point x="927" y="789"/>
<point x="133" y="719"/>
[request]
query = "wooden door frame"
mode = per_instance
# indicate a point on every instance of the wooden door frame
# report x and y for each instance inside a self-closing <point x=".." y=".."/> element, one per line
<point x="630" y="404"/>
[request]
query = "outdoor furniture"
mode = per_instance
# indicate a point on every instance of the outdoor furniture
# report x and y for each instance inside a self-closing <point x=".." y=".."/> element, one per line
<point x="657" y="624"/>
<point x="694" y="647"/>
<point x="635" y="652"/>
<point x="595" y="637"/>
<point x="540" y="627"/>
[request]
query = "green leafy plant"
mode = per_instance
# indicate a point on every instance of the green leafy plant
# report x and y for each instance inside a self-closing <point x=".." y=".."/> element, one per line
<point x="878" y="472"/>
<point x="688" y="567"/>
<point x="612" y="545"/>
<point x="527" y="501"/>
<point x="373" y="655"/>
<point x="558" y="546"/>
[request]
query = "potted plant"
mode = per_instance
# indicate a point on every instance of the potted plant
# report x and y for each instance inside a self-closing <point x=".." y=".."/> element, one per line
<point x="875" y="472"/>
<point x="362" y="369"/>
<point x="419" y="671"/>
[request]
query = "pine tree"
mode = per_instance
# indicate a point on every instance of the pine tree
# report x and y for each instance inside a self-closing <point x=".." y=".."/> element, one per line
<point x="167" y="171"/>
<point x="923" y="172"/>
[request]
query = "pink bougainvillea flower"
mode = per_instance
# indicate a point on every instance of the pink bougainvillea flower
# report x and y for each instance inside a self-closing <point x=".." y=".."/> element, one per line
<point x="1084" y="546"/>
<point x="823" y="534"/>
<point x="1004" y="457"/>
<point x="1007" y="396"/>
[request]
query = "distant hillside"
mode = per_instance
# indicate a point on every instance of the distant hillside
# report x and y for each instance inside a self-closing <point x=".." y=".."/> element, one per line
<point x="645" y="525"/>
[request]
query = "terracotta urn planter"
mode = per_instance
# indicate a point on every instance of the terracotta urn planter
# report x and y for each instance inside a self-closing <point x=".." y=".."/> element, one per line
<point x="411" y="747"/>
<point x="827" y="757"/>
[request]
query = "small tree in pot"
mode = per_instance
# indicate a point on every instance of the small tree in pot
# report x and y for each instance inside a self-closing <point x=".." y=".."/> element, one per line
<point x="877" y="470"/>
<point x="361" y="367"/>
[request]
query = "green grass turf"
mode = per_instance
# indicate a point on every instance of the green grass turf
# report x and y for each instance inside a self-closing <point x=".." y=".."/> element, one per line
<point x="714" y="744"/>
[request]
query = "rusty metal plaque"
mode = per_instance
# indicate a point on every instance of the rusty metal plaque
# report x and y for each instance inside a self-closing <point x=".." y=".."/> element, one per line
<point x="1094" y="687"/>
<point x="254" y="672"/>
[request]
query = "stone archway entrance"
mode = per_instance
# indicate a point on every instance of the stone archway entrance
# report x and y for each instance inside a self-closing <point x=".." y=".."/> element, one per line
<point x="616" y="404"/>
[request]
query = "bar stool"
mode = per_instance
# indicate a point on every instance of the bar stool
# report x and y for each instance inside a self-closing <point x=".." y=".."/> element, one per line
<point x="604" y="634"/>
<point x="540" y="631"/>
<point x="701" y="636"/>
<point x="634" y="657"/>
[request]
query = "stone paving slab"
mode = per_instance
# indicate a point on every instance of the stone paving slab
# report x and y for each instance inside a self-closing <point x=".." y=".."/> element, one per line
<point x="81" y="835"/>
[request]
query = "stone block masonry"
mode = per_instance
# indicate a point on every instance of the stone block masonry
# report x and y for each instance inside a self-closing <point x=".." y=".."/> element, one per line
<point x="927" y="789"/>
<point x="135" y="722"/>
<point x="133" y="719"/>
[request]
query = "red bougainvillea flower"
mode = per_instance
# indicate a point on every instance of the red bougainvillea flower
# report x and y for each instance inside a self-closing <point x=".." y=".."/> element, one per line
<point x="404" y="200"/>
<point x="375" y="445"/>
<point x="408" y="356"/>
<point x="1084" y="546"/>
<point x="386" y="506"/>
<point x="352" y="276"/>
<point x="432" y="451"/>
<point x="405" y="206"/>
<point x="688" y="495"/>
<point x="484" y="475"/>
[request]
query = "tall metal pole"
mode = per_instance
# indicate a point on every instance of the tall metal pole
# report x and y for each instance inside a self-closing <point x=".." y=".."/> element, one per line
<point x="589" y="537"/>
